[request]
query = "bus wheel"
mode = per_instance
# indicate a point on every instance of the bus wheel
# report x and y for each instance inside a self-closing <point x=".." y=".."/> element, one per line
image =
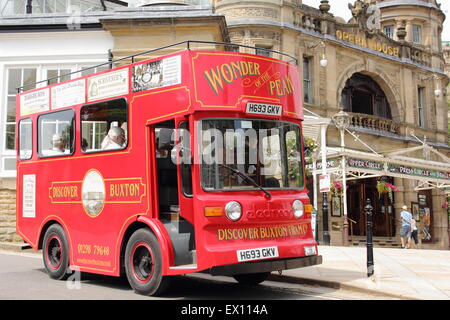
<point x="56" y="252"/>
<point x="143" y="264"/>
<point x="251" y="279"/>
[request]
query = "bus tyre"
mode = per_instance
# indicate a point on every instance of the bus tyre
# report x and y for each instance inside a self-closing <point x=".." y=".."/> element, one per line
<point x="143" y="264"/>
<point x="56" y="252"/>
<point x="251" y="279"/>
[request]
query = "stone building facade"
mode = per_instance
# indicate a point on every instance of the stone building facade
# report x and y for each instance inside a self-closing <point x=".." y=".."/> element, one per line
<point x="446" y="49"/>
<point x="384" y="67"/>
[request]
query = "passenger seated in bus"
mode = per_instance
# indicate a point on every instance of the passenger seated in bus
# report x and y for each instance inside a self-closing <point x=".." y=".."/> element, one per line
<point x="58" y="143"/>
<point x="84" y="144"/>
<point x="116" y="138"/>
<point x="124" y="127"/>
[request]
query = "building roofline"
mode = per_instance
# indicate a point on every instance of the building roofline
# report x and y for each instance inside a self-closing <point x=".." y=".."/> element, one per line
<point x="61" y="21"/>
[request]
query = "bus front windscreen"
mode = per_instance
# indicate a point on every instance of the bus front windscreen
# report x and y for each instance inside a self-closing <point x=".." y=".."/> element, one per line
<point x="244" y="154"/>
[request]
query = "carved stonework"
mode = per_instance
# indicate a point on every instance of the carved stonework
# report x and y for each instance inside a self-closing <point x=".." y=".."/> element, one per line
<point x="367" y="15"/>
<point x="236" y="35"/>
<point x="265" y="35"/>
<point x="344" y="61"/>
<point x="239" y="13"/>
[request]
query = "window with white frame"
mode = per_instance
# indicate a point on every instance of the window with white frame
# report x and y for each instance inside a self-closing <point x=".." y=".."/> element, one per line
<point x="307" y="80"/>
<point x="18" y="7"/>
<point x="57" y="75"/>
<point x="63" y="6"/>
<point x="12" y="7"/>
<point x="417" y="34"/>
<point x="389" y="31"/>
<point x="17" y="77"/>
<point x="94" y="134"/>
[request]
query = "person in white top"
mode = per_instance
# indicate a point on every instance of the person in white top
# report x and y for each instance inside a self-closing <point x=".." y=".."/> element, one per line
<point x="116" y="138"/>
<point x="414" y="234"/>
<point x="58" y="148"/>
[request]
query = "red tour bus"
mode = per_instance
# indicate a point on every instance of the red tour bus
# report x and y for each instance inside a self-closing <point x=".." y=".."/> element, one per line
<point x="192" y="161"/>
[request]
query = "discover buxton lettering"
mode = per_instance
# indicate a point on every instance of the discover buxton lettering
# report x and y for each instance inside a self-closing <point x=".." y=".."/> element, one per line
<point x="262" y="232"/>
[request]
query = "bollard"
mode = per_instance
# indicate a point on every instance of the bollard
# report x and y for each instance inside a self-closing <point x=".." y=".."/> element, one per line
<point x="369" y="225"/>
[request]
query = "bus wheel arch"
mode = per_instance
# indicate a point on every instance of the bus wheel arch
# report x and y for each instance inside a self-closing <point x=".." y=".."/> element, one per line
<point x="144" y="223"/>
<point x="43" y="230"/>
<point x="143" y="261"/>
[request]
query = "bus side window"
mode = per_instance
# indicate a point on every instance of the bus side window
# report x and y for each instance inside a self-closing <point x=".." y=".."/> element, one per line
<point x="104" y="126"/>
<point x="25" y="139"/>
<point x="56" y="133"/>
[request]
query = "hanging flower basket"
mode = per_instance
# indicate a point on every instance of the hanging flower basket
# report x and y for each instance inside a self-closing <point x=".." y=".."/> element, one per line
<point x="311" y="146"/>
<point x="336" y="189"/>
<point x="388" y="188"/>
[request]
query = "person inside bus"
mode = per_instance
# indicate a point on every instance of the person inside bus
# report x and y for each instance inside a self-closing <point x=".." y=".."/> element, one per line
<point x="58" y="145"/>
<point x="116" y="137"/>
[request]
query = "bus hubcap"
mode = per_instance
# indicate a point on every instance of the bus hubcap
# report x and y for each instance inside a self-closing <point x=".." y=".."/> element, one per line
<point x="142" y="262"/>
<point x="54" y="252"/>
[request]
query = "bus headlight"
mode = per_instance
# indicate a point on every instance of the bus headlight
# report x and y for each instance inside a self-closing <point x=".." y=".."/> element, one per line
<point x="297" y="207"/>
<point x="233" y="210"/>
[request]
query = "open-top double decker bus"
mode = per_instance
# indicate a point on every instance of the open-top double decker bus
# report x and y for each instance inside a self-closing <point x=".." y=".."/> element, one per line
<point x="188" y="162"/>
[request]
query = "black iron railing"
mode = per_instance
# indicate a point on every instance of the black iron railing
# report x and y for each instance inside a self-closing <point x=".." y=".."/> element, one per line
<point x="187" y="43"/>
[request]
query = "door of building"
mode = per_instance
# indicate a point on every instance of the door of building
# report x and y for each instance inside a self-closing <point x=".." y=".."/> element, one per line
<point x="383" y="211"/>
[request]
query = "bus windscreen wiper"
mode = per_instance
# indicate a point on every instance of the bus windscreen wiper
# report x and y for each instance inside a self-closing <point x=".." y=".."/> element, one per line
<point x="246" y="177"/>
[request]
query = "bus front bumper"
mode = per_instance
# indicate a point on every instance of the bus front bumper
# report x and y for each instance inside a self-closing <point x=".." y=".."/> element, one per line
<point x="265" y="266"/>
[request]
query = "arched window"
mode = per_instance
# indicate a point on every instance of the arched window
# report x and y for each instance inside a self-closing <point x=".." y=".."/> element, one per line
<point x="363" y="95"/>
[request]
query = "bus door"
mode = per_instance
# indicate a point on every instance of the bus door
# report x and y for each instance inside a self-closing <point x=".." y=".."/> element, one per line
<point x="174" y="188"/>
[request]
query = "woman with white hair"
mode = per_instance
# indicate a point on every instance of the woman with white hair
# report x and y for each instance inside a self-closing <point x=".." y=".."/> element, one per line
<point x="116" y="138"/>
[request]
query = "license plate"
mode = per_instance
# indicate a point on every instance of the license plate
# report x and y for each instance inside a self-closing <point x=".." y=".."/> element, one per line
<point x="310" y="251"/>
<point x="257" y="254"/>
<point x="262" y="108"/>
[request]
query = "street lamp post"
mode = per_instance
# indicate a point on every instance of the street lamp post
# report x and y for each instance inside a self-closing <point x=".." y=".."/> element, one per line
<point x="369" y="229"/>
<point x="342" y="122"/>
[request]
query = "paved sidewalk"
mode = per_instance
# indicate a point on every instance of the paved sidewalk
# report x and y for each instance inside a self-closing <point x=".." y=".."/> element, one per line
<point x="399" y="273"/>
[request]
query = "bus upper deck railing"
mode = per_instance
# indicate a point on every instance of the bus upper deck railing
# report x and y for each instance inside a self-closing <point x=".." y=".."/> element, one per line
<point x="187" y="43"/>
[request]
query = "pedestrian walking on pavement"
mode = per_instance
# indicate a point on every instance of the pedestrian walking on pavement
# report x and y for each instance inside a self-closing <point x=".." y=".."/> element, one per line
<point x="405" y="229"/>
<point x="414" y="239"/>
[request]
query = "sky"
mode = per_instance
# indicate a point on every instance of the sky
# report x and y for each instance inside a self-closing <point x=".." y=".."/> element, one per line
<point x="340" y="8"/>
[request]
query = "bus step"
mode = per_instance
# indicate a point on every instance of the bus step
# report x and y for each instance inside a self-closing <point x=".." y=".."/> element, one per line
<point x="181" y="243"/>
<point x="184" y="267"/>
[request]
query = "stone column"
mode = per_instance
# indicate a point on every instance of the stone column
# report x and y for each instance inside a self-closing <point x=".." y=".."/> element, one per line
<point x="409" y="31"/>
